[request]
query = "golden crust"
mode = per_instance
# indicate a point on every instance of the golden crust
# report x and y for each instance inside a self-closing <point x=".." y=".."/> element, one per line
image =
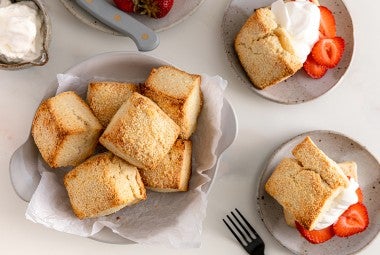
<point x="264" y="50"/>
<point x="102" y="185"/>
<point x="106" y="97"/>
<point x="173" y="172"/>
<point x="311" y="157"/>
<point x="65" y="130"/>
<point x="349" y="168"/>
<point x="140" y="132"/>
<point x="300" y="191"/>
<point x="44" y="120"/>
<point x="306" y="185"/>
<point x="178" y="94"/>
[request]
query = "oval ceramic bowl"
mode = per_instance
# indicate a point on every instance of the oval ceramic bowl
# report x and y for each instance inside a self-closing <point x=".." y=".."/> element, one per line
<point x="46" y="34"/>
<point x="340" y="148"/>
<point x="300" y="87"/>
<point x="24" y="173"/>
<point x="181" y="10"/>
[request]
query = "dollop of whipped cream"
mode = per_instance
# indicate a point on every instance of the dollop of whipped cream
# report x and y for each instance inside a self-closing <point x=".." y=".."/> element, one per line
<point x="301" y="19"/>
<point x="340" y="204"/>
<point x="20" y="31"/>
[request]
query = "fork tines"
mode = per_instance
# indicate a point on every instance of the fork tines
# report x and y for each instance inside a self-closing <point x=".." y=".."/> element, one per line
<point x="243" y="231"/>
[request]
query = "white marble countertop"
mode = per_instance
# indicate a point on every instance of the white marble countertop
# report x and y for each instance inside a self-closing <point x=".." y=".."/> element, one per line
<point x="195" y="45"/>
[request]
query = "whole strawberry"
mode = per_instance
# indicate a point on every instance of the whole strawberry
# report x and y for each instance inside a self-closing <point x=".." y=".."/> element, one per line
<point x="156" y="8"/>
<point x="126" y="5"/>
<point x="153" y="8"/>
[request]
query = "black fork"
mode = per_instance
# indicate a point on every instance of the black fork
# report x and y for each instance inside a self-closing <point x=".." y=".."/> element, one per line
<point x="248" y="238"/>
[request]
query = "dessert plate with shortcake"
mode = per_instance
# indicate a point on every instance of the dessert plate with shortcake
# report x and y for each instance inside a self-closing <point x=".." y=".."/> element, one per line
<point x="289" y="52"/>
<point x="319" y="194"/>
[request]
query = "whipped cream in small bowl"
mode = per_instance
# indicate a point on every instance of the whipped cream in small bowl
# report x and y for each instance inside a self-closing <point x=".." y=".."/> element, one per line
<point x="25" y="34"/>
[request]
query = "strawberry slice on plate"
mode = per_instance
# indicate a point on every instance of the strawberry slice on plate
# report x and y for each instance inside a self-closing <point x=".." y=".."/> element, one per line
<point x="316" y="236"/>
<point x="359" y="193"/>
<point x="313" y="69"/>
<point x="354" y="220"/>
<point x="328" y="51"/>
<point x="327" y="26"/>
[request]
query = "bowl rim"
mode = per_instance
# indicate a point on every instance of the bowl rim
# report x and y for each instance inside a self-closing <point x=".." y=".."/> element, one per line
<point x="46" y="33"/>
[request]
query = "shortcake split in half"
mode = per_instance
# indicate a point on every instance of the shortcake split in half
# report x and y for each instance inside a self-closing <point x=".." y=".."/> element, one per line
<point x="319" y="197"/>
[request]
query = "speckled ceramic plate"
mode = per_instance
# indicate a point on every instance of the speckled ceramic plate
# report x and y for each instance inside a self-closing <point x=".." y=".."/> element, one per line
<point x="300" y="87"/>
<point x="340" y="148"/>
<point x="181" y="10"/>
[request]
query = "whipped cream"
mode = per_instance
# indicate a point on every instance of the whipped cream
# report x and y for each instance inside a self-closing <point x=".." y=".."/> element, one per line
<point x="301" y="19"/>
<point x="20" y="31"/>
<point x="340" y="204"/>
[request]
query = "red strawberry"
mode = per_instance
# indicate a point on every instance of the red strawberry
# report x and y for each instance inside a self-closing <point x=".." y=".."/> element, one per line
<point x="354" y="220"/>
<point x="359" y="193"/>
<point x="316" y="236"/>
<point x="328" y="51"/>
<point x="313" y="69"/>
<point x="327" y="27"/>
<point x="155" y="8"/>
<point x="125" y="5"/>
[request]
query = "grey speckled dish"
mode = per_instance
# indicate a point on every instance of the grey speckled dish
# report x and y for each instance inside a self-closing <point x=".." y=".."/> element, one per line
<point x="46" y="33"/>
<point x="23" y="167"/>
<point x="300" y="87"/>
<point x="179" y="12"/>
<point x="340" y="148"/>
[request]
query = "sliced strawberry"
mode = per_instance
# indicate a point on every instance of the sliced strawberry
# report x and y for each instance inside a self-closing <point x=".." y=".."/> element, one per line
<point x="125" y="5"/>
<point x="328" y="51"/>
<point x="354" y="220"/>
<point x="316" y="236"/>
<point x="313" y="69"/>
<point x="359" y="193"/>
<point x="327" y="27"/>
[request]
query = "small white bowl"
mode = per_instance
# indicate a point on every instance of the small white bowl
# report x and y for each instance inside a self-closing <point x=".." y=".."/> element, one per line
<point x="46" y="34"/>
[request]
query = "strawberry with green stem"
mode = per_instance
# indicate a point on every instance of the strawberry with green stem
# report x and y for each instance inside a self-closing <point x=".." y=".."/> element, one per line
<point x="153" y="8"/>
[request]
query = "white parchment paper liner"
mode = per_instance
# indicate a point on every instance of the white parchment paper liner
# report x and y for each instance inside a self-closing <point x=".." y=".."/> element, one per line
<point x="169" y="219"/>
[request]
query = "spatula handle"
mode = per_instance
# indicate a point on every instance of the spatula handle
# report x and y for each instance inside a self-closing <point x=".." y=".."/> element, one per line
<point x="144" y="37"/>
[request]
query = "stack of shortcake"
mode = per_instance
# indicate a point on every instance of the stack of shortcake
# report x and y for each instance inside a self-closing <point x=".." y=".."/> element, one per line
<point x="319" y="197"/>
<point x="144" y="128"/>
